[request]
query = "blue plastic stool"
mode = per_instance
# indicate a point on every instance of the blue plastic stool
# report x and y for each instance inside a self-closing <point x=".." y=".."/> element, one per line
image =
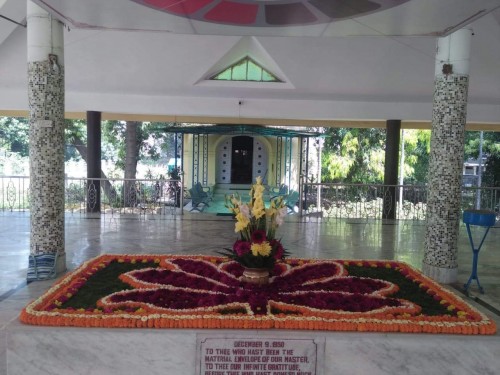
<point x="480" y="218"/>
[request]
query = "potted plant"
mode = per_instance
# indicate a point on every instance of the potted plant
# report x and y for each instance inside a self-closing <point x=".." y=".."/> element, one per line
<point x="257" y="248"/>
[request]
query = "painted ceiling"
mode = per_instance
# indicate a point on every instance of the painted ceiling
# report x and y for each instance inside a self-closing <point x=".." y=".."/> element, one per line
<point x="345" y="60"/>
<point x="273" y="17"/>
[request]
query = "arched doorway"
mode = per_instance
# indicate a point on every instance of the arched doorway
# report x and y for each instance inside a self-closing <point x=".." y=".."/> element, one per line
<point x="242" y="160"/>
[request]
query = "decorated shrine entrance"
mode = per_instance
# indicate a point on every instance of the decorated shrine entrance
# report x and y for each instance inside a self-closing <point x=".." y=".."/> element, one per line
<point x="237" y="154"/>
<point x="240" y="159"/>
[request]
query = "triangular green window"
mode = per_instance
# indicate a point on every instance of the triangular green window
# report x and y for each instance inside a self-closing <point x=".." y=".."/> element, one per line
<point x="245" y="69"/>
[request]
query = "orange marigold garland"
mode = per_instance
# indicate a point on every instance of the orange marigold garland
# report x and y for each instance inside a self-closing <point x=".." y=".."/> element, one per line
<point x="206" y="292"/>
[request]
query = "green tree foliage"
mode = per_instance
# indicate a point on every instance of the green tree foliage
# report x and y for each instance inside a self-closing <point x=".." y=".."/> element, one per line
<point x="14" y="134"/>
<point x="491" y="151"/>
<point x="354" y="155"/>
<point x="151" y="139"/>
<point x="76" y="141"/>
<point x="492" y="174"/>
<point x="417" y="148"/>
<point x="358" y="155"/>
<point x="75" y="133"/>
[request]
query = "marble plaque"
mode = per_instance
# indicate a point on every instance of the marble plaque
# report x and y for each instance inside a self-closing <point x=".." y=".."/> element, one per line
<point x="44" y="123"/>
<point x="258" y="355"/>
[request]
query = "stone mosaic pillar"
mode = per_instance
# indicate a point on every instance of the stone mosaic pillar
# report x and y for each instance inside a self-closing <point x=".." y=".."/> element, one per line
<point x="446" y="157"/>
<point x="46" y="134"/>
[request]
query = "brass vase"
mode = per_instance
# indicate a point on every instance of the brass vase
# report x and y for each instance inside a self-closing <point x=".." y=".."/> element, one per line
<point x="259" y="276"/>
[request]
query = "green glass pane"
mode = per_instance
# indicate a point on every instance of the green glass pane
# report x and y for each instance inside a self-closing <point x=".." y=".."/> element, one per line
<point x="268" y="77"/>
<point x="240" y="71"/>
<point x="254" y="72"/>
<point x="225" y="75"/>
<point x="246" y="70"/>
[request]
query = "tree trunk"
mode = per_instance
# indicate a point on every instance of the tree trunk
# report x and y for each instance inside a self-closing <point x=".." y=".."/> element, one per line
<point x="108" y="189"/>
<point x="132" y="193"/>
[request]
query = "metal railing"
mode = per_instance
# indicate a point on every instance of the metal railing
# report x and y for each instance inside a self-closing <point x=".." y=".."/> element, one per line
<point x="166" y="197"/>
<point x="106" y="196"/>
<point x="376" y="201"/>
<point x="14" y="193"/>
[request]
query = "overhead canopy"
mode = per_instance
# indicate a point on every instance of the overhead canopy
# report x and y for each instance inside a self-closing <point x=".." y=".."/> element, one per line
<point x="240" y="130"/>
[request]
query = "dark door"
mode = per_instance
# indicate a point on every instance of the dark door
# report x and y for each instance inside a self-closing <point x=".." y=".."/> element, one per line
<point x="241" y="160"/>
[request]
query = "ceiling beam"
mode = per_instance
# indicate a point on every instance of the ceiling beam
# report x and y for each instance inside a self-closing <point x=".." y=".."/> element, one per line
<point x="351" y="123"/>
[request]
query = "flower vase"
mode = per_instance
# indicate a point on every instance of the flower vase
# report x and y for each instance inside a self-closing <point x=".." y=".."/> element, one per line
<point x="259" y="276"/>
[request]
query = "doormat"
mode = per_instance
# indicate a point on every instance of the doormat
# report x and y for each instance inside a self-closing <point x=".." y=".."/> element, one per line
<point x="175" y="291"/>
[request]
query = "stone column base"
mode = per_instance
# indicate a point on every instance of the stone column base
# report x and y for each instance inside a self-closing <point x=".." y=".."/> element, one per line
<point x="440" y="274"/>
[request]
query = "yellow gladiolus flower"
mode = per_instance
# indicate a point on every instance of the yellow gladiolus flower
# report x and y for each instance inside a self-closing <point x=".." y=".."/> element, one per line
<point x="239" y="226"/>
<point x="258" y="212"/>
<point x="259" y="190"/>
<point x="242" y="218"/>
<point x="241" y="222"/>
<point x="258" y="209"/>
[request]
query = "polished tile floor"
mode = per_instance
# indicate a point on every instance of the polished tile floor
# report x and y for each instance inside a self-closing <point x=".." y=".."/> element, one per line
<point x="197" y="233"/>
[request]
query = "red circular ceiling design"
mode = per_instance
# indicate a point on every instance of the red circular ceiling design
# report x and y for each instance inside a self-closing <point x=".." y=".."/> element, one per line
<point x="269" y="13"/>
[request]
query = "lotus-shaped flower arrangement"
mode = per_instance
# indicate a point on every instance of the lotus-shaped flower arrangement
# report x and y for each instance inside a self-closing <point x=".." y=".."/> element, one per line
<point x="200" y="287"/>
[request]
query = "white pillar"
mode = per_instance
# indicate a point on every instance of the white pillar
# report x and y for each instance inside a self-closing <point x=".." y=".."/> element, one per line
<point x="46" y="134"/>
<point x="45" y="35"/>
<point x="446" y="157"/>
<point x="454" y="49"/>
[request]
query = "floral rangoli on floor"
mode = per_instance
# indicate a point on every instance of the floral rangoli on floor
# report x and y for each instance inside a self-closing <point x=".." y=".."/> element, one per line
<point x="174" y="291"/>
